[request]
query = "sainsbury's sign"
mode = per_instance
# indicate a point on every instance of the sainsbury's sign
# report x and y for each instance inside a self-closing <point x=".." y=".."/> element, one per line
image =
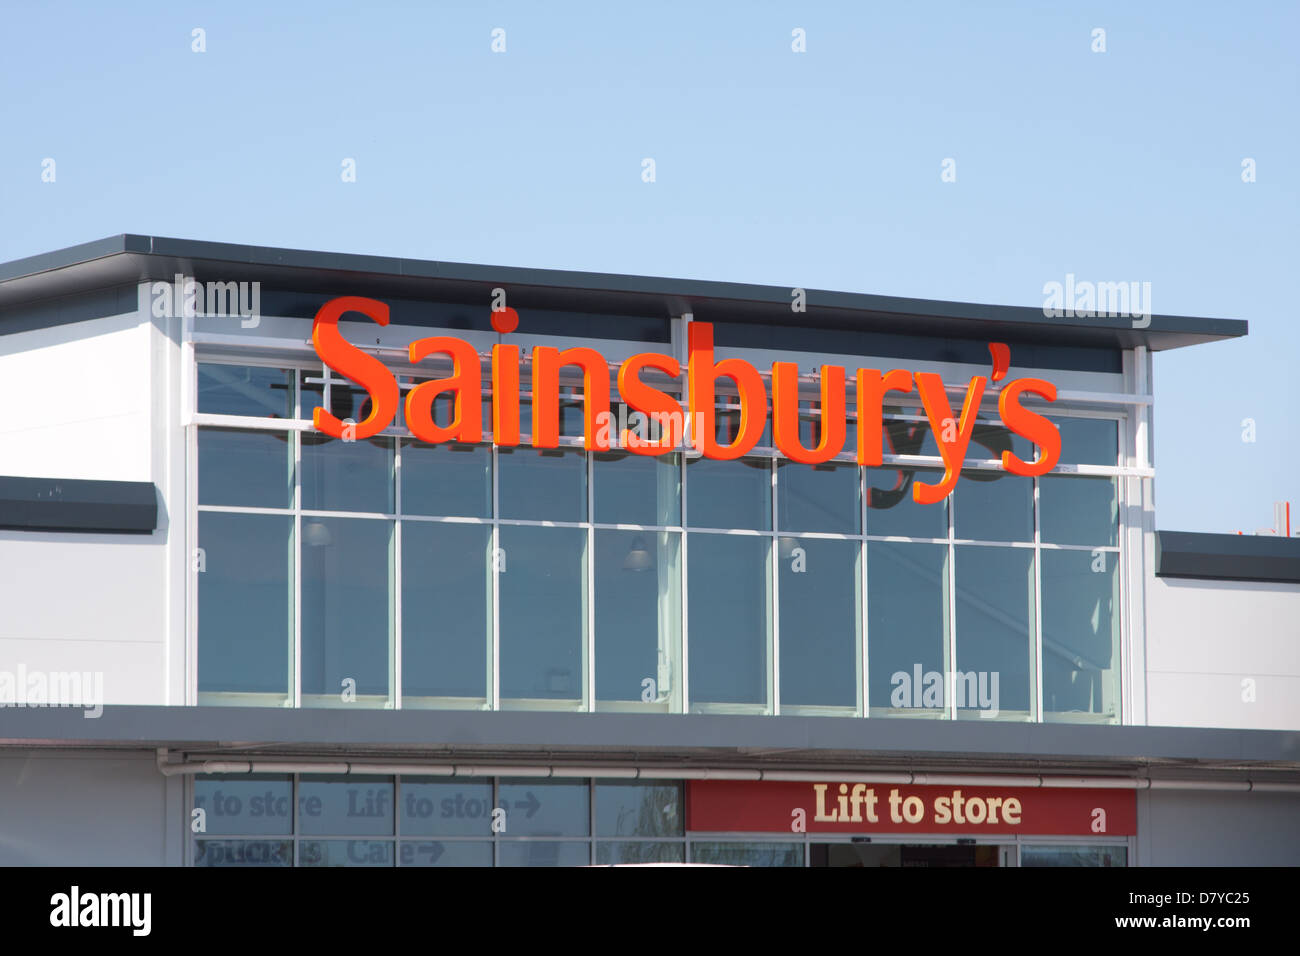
<point x="695" y="426"/>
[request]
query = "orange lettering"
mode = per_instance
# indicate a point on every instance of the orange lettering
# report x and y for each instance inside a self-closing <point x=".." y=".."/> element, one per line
<point x="352" y="363"/>
<point x="1029" y="425"/>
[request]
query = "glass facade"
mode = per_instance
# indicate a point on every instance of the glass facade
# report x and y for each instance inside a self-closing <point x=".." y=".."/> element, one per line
<point x="325" y="820"/>
<point x="391" y="573"/>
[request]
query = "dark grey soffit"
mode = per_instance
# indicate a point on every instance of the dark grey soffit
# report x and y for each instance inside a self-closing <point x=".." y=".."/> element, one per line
<point x="1228" y="557"/>
<point x="130" y="258"/>
<point x="646" y="740"/>
<point x="63" y="504"/>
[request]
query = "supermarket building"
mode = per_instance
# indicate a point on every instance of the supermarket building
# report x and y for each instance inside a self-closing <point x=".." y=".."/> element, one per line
<point x="321" y="559"/>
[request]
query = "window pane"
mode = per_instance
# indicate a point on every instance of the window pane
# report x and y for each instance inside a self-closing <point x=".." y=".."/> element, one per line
<point x="891" y="510"/>
<point x="1073" y="856"/>
<point x="347" y="606"/>
<point x="638" y="614"/>
<point x="543" y="853"/>
<point x="609" y="853"/>
<point x="1078" y="510"/>
<point x="907" y="622"/>
<point x="748" y="854"/>
<point x="1080" y="634"/>
<point x="243" y="853"/>
<point x="449" y="853"/>
<point x="639" y="809"/>
<point x="245" y="390"/>
<point x="446" y="609"/>
<point x="447" y="480"/>
<point x="342" y="475"/>
<point x="1088" y="441"/>
<point x="993" y="506"/>
<point x="245" y="607"/>
<point x="347" y="401"/>
<point x="345" y="805"/>
<point x="345" y="853"/>
<point x="446" y="808"/>
<point x="546" y="807"/>
<point x="730" y="618"/>
<point x="729" y="494"/>
<point x="818" y="497"/>
<point x="637" y="489"/>
<point x="995" y="632"/>
<point x="820" y="611"/>
<point x="542" y="484"/>
<point x="542" y="584"/>
<point x="245" y="804"/>
<point x="252" y="469"/>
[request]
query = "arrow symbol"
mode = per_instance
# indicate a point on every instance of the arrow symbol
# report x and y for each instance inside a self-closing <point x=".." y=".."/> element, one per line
<point x="532" y="804"/>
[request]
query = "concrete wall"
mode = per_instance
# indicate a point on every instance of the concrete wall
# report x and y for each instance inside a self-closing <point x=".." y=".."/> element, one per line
<point x="1201" y="828"/>
<point x="88" y="809"/>
<point x="1213" y="645"/>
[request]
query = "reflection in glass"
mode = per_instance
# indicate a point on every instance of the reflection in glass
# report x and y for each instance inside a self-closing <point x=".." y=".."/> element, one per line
<point x="1078" y="510"/>
<point x="637" y="489"/>
<point x="446" y="609"/>
<point x="1088" y="441"/>
<point x="993" y="506"/>
<point x="447" y="480"/>
<point x="245" y="604"/>
<point x="546" y="807"/>
<point x="340" y="475"/>
<point x="446" y="808"/>
<point x="345" y="853"/>
<point x="729" y="618"/>
<point x="907" y="625"/>
<point x="347" y="607"/>
<point x="729" y="494"/>
<point x="1080" y="635"/>
<point x="747" y="854"/>
<point x="445" y="853"/>
<point x="613" y="852"/>
<point x="542" y="586"/>
<point x="252" y="469"/>
<point x="542" y="484"/>
<point x="891" y="510"/>
<point x="995" y="631"/>
<point x="818" y="497"/>
<point x="639" y="809"/>
<point x="543" y="853"/>
<point x="345" y="804"/>
<point x="248" y="804"/>
<point x="820" y="610"/>
<point x="638" y="615"/>
<point x="245" y="390"/>
<point x="1031" y="855"/>
<point x="243" y="853"/>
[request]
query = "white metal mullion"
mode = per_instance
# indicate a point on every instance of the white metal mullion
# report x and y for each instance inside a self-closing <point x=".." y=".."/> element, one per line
<point x="864" y="686"/>
<point x="589" y="643"/>
<point x="494" y="653"/>
<point x="947" y="681"/>
<point x="1038" y="609"/>
<point x="297" y="563"/>
<point x="774" y="562"/>
<point x="396" y="583"/>
<point x="684" y="571"/>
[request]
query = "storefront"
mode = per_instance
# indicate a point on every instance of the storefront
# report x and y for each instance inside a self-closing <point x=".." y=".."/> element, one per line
<point x="387" y="562"/>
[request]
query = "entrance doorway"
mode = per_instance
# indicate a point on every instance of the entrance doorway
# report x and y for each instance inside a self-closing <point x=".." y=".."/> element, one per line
<point x="903" y="854"/>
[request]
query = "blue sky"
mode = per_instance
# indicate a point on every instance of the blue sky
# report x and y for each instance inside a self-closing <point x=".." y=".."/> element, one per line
<point x="818" y="169"/>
